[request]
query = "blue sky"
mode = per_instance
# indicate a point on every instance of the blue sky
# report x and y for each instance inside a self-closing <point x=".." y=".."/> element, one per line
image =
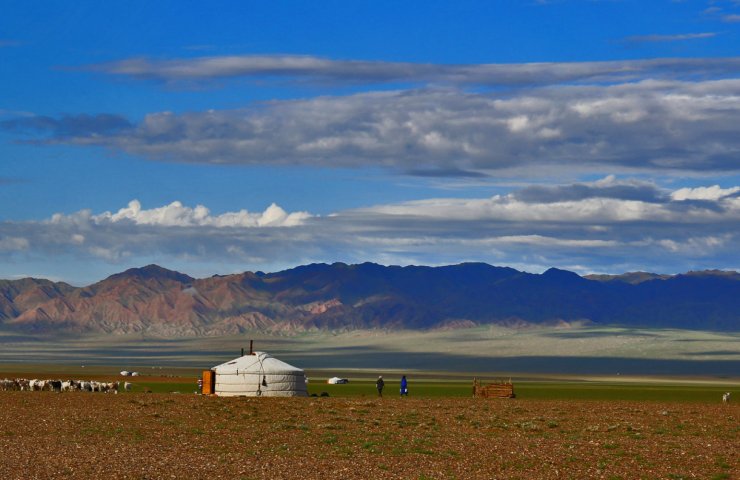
<point x="596" y="136"/>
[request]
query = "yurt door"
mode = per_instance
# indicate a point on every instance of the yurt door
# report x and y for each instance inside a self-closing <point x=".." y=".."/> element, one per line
<point x="209" y="382"/>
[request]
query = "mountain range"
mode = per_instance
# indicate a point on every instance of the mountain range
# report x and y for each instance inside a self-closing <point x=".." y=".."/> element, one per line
<point x="340" y="297"/>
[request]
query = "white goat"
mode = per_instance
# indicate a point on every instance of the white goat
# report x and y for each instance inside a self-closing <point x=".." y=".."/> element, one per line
<point x="726" y="397"/>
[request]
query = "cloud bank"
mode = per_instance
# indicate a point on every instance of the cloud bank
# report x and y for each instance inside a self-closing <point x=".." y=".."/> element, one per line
<point x="650" y="125"/>
<point x="610" y="225"/>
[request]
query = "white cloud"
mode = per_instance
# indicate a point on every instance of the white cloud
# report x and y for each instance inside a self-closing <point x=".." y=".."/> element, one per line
<point x="715" y="192"/>
<point x="177" y="215"/>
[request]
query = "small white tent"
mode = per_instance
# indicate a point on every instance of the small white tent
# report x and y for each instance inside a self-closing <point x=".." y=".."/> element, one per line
<point x="257" y="375"/>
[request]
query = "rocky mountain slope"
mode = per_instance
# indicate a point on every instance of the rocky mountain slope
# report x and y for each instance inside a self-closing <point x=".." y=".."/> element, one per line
<point x="154" y="300"/>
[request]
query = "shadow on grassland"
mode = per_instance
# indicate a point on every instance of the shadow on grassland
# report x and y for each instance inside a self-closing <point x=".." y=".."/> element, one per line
<point x="521" y="364"/>
<point x="187" y="354"/>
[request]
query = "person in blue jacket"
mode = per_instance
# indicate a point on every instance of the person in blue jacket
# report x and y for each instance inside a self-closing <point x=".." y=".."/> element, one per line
<point x="404" y="386"/>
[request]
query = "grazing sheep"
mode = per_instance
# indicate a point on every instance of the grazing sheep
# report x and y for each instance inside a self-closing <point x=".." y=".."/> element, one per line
<point x="726" y="397"/>
<point x="59" y="386"/>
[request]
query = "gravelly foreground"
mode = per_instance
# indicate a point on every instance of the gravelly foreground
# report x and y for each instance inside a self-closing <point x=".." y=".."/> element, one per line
<point x="136" y="436"/>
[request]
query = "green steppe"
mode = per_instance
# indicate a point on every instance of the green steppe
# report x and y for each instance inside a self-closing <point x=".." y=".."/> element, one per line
<point x="583" y="362"/>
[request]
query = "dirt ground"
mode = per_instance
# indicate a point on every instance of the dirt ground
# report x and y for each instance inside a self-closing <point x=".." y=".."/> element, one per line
<point x="148" y="436"/>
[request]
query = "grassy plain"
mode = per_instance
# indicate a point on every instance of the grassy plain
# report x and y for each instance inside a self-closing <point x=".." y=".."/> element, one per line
<point x="544" y="362"/>
<point x="427" y="384"/>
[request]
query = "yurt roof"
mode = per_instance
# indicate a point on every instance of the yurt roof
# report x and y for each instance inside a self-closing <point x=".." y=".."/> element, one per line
<point x="258" y="362"/>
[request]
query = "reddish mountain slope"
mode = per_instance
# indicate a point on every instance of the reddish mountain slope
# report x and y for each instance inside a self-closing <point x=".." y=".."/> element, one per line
<point x="157" y="301"/>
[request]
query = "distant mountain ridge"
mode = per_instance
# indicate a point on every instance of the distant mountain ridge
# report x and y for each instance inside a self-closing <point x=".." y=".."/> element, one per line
<point x="340" y="297"/>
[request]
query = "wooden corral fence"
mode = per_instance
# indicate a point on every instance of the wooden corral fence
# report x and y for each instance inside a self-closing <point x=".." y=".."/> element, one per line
<point x="493" y="390"/>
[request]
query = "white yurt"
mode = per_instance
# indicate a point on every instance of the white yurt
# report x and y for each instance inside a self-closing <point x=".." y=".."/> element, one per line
<point x="259" y="375"/>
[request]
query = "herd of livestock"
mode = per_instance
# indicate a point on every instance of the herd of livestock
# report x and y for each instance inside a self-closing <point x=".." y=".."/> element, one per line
<point x="22" y="384"/>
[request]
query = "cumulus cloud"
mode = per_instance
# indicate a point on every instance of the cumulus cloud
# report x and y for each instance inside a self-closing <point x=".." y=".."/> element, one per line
<point x="609" y="225"/>
<point x="649" y="125"/>
<point x="312" y="68"/>
<point x="170" y="231"/>
<point x="178" y="215"/>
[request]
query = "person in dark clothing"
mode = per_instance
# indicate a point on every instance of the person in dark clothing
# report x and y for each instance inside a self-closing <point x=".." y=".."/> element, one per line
<point x="404" y="386"/>
<point x="379" y="385"/>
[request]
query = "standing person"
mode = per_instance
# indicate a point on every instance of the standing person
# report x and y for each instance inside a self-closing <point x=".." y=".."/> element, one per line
<point x="379" y="385"/>
<point x="404" y="386"/>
